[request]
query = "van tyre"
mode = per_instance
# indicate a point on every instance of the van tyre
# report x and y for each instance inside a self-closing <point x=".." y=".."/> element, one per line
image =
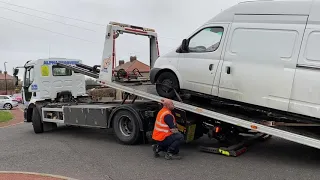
<point x="126" y="127"/>
<point x="168" y="79"/>
<point x="36" y="121"/>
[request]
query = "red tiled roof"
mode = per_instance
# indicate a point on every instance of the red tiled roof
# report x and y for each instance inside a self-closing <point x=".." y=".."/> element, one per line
<point x="3" y="78"/>
<point x="130" y="66"/>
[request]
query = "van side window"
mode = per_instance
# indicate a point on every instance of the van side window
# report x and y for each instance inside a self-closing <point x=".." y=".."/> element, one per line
<point x="206" y="40"/>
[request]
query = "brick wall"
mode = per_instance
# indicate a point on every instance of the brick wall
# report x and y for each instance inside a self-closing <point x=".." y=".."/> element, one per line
<point x="10" y="92"/>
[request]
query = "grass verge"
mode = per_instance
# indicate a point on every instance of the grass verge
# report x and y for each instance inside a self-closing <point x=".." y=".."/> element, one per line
<point x="5" y="116"/>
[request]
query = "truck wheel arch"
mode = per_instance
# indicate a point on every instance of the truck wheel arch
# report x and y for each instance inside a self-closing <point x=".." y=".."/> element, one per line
<point x="37" y="122"/>
<point x="30" y="112"/>
<point x="129" y="108"/>
<point x="30" y="107"/>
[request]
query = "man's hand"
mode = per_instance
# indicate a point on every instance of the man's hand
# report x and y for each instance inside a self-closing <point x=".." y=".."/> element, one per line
<point x="175" y="130"/>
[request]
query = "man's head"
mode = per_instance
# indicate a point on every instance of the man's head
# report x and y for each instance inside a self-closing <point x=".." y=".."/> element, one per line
<point x="167" y="103"/>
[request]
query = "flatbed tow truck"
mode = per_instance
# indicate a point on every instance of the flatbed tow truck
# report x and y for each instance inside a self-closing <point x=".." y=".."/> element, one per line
<point x="232" y="128"/>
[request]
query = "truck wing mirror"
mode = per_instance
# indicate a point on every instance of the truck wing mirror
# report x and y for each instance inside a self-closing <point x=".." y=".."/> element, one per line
<point x="16" y="80"/>
<point x="15" y="71"/>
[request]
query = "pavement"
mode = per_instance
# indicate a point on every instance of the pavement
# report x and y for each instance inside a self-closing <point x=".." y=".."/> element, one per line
<point x="16" y="175"/>
<point x="94" y="154"/>
<point x="17" y="119"/>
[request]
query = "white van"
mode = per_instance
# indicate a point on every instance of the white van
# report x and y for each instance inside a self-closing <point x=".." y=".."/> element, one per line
<point x="264" y="53"/>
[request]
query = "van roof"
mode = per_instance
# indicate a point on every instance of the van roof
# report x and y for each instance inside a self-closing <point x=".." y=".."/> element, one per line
<point x="292" y="7"/>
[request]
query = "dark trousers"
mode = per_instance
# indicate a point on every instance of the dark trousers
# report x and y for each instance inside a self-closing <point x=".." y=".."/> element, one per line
<point x="171" y="143"/>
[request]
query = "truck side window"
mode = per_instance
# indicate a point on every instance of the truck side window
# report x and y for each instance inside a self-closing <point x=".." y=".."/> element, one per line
<point x="206" y="40"/>
<point x="60" y="71"/>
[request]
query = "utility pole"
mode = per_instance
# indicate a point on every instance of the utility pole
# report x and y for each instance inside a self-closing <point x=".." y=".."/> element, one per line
<point x="5" y="76"/>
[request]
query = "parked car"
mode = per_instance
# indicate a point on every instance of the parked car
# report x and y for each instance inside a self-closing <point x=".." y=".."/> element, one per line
<point x="251" y="53"/>
<point x="7" y="102"/>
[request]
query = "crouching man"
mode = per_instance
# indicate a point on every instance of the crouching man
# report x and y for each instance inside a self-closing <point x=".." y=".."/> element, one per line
<point x="166" y="134"/>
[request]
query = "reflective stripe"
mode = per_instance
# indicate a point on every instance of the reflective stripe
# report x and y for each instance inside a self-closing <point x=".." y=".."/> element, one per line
<point x="161" y="124"/>
<point x="162" y="130"/>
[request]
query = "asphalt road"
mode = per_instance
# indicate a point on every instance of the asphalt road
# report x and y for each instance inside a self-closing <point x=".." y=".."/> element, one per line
<point x="88" y="154"/>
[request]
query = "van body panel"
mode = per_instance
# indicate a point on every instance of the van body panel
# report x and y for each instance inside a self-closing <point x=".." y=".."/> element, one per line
<point x="262" y="56"/>
<point x="305" y="98"/>
<point x="310" y="54"/>
<point x="314" y="15"/>
<point x="265" y="7"/>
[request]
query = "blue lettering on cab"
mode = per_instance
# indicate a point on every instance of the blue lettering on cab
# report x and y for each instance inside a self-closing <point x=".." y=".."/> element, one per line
<point x="62" y="62"/>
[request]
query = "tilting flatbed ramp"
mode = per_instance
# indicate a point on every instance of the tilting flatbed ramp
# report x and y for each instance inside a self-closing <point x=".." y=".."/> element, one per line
<point x="148" y="92"/>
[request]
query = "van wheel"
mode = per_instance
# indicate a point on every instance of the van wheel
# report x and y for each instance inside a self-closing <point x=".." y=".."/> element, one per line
<point x="126" y="127"/>
<point x="36" y="121"/>
<point x="164" y="80"/>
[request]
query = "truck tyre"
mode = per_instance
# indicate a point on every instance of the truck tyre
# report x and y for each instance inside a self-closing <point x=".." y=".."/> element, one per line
<point x="36" y="121"/>
<point x="126" y="127"/>
<point x="168" y="79"/>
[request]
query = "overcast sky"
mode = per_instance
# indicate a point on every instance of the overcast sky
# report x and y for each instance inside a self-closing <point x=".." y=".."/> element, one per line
<point x="33" y="29"/>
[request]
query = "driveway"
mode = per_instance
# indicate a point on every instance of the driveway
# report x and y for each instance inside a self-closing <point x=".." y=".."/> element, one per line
<point x="94" y="154"/>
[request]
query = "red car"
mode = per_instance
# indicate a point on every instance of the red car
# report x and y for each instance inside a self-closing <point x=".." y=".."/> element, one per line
<point x="17" y="97"/>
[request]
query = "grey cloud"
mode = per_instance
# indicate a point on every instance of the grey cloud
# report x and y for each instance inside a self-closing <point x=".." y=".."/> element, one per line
<point x="173" y="20"/>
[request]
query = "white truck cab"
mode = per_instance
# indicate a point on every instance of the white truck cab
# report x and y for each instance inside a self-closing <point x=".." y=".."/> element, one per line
<point x="44" y="80"/>
<point x="262" y="53"/>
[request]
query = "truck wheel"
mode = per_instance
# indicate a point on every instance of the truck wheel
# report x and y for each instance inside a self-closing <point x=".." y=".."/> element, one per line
<point x="167" y="79"/>
<point x="36" y="121"/>
<point x="126" y="127"/>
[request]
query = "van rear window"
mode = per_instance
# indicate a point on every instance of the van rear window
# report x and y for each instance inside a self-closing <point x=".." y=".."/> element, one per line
<point x="60" y="71"/>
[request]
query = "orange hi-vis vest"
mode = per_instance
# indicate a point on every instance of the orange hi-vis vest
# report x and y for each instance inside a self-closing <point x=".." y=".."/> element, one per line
<point x="161" y="129"/>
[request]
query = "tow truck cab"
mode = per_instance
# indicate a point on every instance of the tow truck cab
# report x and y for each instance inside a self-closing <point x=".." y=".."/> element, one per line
<point x="44" y="80"/>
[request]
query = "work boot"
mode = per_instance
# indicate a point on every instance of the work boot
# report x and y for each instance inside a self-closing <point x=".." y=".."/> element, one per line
<point x="170" y="156"/>
<point x="156" y="151"/>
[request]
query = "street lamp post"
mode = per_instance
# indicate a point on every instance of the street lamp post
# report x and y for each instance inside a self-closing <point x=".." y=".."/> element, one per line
<point x="5" y="76"/>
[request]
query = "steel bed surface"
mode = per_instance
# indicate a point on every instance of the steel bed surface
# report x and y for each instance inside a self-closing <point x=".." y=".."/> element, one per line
<point x="307" y="132"/>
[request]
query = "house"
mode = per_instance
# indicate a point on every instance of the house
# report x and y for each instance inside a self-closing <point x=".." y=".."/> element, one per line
<point x="10" y="83"/>
<point x="132" y="65"/>
<point x="129" y="67"/>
